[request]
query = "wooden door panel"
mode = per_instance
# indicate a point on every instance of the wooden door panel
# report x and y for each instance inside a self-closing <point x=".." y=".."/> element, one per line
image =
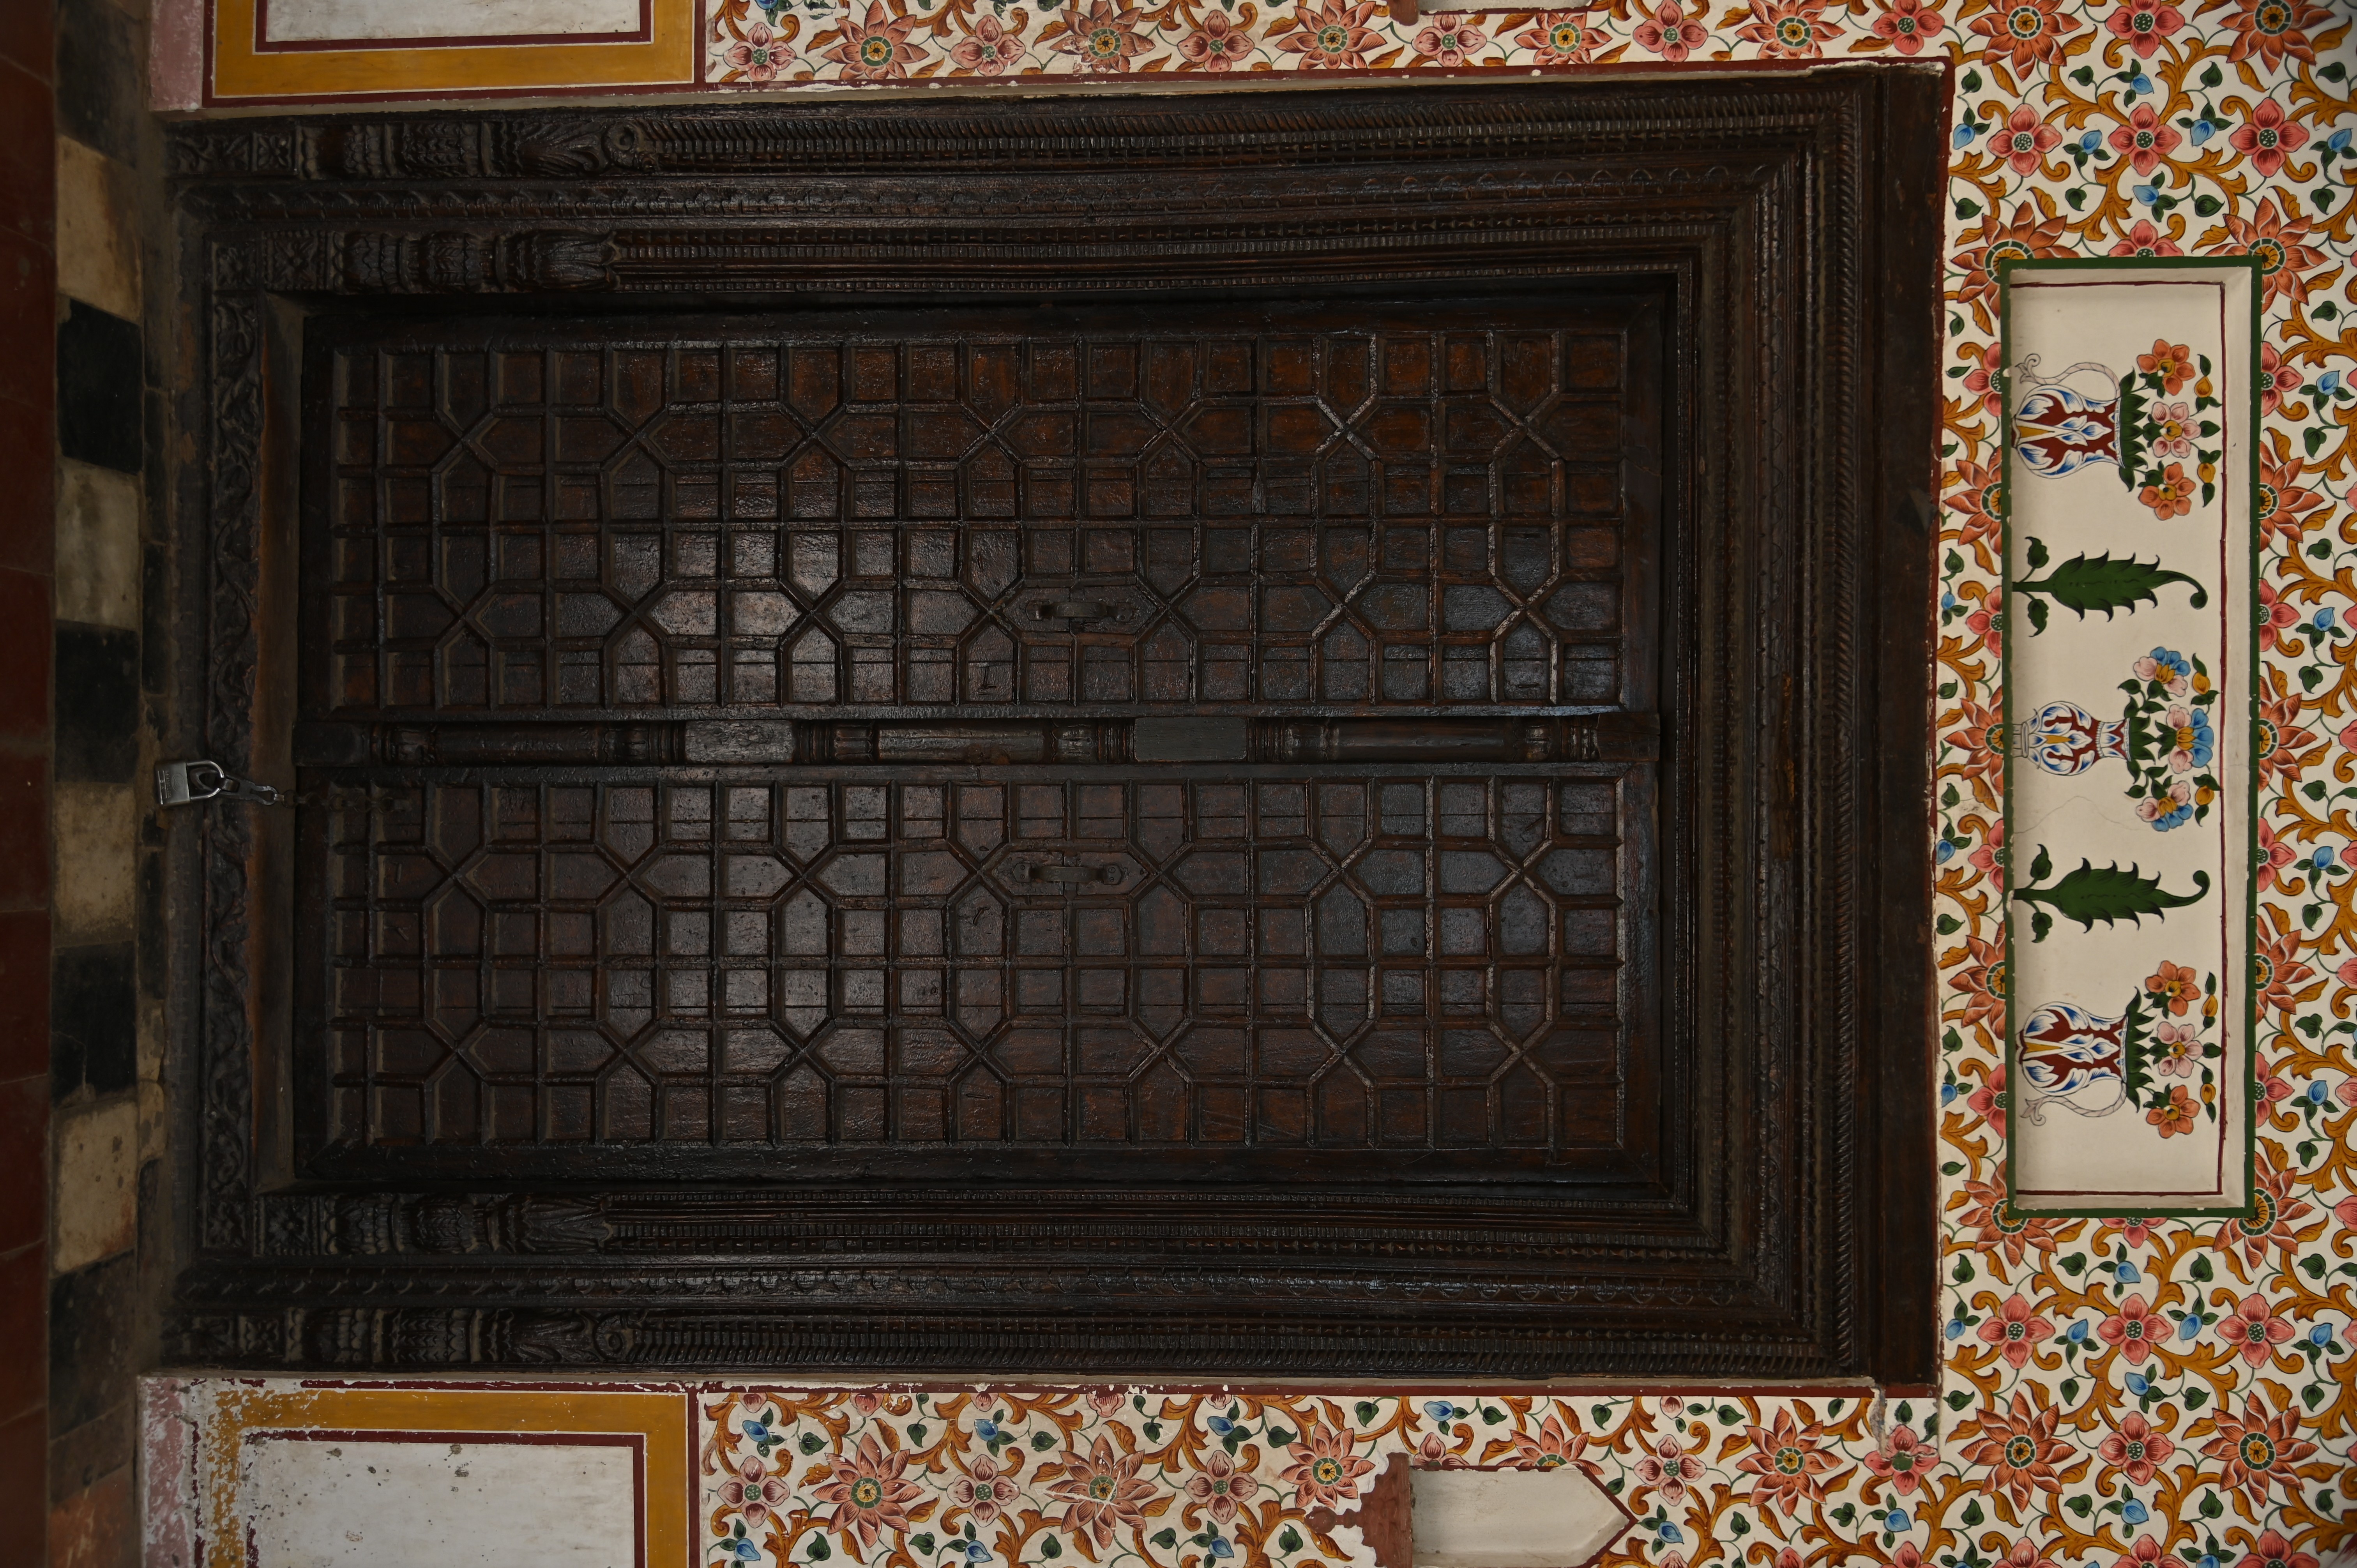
<point x="1394" y="506"/>
<point x="1174" y="971"/>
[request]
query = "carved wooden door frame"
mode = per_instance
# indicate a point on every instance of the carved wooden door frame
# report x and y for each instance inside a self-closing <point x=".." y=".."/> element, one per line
<point x="1794" y="219"/>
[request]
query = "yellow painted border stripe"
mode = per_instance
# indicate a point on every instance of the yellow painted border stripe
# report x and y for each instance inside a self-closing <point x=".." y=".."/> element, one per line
<point x="662" y="1419"/>
<point x="667" y="58"/>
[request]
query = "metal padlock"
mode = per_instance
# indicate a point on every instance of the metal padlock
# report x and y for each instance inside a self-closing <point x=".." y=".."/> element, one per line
<point x="193" y="783"/>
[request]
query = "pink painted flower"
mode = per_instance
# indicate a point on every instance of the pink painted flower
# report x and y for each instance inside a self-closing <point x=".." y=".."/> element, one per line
<point x="985" y="1490"/>
<point x="758" y="54"/>
<point x="2025" y="33"/>
<point x="2143" y="239"/>
<point x="2272" y="1550"/>
<point x="2173" y="497"/>
<point x="2178" y="1117"/>
<point x="754" y="1491"/>
<point x="870" y="1493"/>
<point x="2136" y="1449"/>
<point x="2276" y="378"/>
<point x="2178" y="1049"/>
<point x="1981" y="380"/>
<point x="1668" y="1468"/>
<point x="1104" y="1490"/>
<point x="2276" y="615"/>
<point x="2143" y="23"/>
<point x="1670" y="33"/>
<point x="1450" y="40"/>
<point x="1561" y="38"/>
<point x="2146" y="1553"/>
<point x="2146" y="139"/>
<point x="877" y="50"/>
<point x="1217" y="46"/>
<point x="1550" y="1446"/>
<point x="1987" y="623"/>
<point x="1104" y="39"/>
<point x="1433" y="1454"/>
<point x="2256" y="1329"/>
<point x="988" y="50"/>
<point x="1219" y="1486"/>
<point x="2271" y="136"/>
<point x="2025" y="1555"/>
<point x="1789" y="30"/>
<point x="1905" y="24"/>
<point x="1989" y="858"/>
<point x="1324" y="1466"/>
<point x="2135" y="1330"/>
<point x="2175" y="437"/>
<point x="2133" y="1229"/>
<point x="1907" y="1463"/>
<point x="1104" y="1401"/>
<point x="2017" y="1329"/>
<point x="2345" y="1092"/>
<point x="1990" y="1102"/>
<point x="2026" y="140"/>
<point x="1333" y="36"/>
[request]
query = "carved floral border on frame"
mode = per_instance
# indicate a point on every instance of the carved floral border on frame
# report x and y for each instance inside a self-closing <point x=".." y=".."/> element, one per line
<point x="2124" y="1391"/>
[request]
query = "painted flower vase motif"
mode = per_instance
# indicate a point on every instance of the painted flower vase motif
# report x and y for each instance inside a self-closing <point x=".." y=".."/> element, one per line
<point x="2064" y="423"/>
<point x="2067" y="1051"/>
<point x="2065" y="739"/>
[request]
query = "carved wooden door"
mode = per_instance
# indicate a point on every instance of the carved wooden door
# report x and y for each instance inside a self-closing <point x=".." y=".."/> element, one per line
<point x="1274" y="732"/>
<point x="1183" y="743"/>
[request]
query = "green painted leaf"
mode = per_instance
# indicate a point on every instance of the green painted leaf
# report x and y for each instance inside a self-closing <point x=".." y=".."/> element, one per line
<point x="1051" y="1548"/>
<point x="2043" y="867"/>
<point x="2086" y="583"/>
<point x="2037" y="611"/>
<point x="1290" y="1541"/>
<point x="1165" y="1537"/>
<point x="2110" y="895"/>
<point x="1366" y="1412"/>
<point x="923" y="1543"/>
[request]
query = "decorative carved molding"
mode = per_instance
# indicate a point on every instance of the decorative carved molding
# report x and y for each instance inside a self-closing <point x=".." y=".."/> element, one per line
<point x="1794" y="218"/>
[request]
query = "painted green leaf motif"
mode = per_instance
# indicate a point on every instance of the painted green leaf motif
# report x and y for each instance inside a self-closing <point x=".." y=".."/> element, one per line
<point x="2099" y="583"/>
<point x="2110" y="895"/>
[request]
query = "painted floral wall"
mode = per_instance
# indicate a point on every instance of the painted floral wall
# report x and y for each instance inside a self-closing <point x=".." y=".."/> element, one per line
<point x="2116" y="1391"/>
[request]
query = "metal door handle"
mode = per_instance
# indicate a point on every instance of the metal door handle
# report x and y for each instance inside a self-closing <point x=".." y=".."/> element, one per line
<point x="1075" y="875"/>
<point x="1076" y="609"/>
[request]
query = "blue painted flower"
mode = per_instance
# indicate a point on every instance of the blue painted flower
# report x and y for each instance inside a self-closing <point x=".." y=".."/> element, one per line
<point x="1440" y="1410"/>
<point x="2078" y="1332"/>
<point x="1671" y="1534"/>
<point x="1218" y="1547"/>
<point x="2340" y="142"/>
<point x="1955" y="1328"/>
<point x="739" y="1550"/>
<point x="975" y="1551"/>
<point x="1947" y="1094"/>
<point x="2320" y="1335"/>
<point x="2328" y="381"/>
<point x="2324" y="858"/>
<point x="2133" y="1512"/>
<point x="2323" y="618"/>
<point x="2142" y="84"/>
<point x="1943" y="852"/>
<point x="2316" y="1092"/>
<point x="2203" y="131"/>
<point x="1221" y="1425"/>
<point x="2138" y="1384"/>
<point x="760" y="1431"/>
<point x="2189" y="1327"/>
<point x="2127" y="1273"/>
<point x="2169" y="667"/>
<point x="1897" y="1523"/>
<point x="1965" y="131"/>
<point x="986" y="1429"/>
<point x="2190" y="740"/>
<point x="2091" y="141"/>
<point x="2146" y="194"/>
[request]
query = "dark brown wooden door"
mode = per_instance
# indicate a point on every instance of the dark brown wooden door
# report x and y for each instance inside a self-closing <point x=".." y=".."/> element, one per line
<point x="1198" y="740"/>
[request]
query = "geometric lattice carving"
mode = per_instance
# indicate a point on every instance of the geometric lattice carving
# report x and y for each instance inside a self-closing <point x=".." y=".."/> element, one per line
<point x="1270" y="510"/>
<point x="1363" y="961"/>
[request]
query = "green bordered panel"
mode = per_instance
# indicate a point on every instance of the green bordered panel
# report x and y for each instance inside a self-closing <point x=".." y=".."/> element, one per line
<point x="2131" y="703"/>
